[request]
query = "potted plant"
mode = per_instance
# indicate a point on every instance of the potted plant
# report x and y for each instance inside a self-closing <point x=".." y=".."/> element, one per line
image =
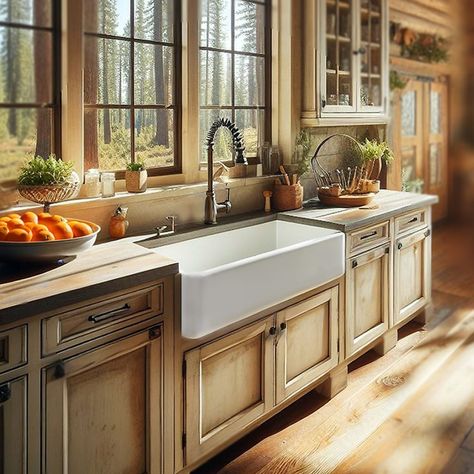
<point x="374" y="153"/>
<point x="136" y="177"/>
<point x="47" y="180"/>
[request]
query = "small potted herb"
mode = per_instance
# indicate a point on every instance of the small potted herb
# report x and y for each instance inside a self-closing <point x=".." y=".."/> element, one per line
<point x="136" y="177"/>
<point x="47" y="180"/>
<point x="374" y="153"/>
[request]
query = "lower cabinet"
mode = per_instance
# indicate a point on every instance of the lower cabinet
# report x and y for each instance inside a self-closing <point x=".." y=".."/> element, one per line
<point x="412" y="274"/>
<point x="229" y="384"/>
<point x="368" y="296"/>
<point x="232" y="381"/>
<point x="103" y="409"/>
<point x="307" y="342"/>
<point x="13" y="426"/>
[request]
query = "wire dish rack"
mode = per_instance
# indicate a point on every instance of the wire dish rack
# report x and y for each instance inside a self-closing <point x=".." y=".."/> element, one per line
<point x="342" y="178"/>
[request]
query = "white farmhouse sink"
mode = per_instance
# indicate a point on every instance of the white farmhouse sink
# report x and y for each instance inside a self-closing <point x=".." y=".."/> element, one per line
<point x="234" y="274"/>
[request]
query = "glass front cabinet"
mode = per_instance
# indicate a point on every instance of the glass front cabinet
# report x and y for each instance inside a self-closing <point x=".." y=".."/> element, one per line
<point x="345" y="61"/>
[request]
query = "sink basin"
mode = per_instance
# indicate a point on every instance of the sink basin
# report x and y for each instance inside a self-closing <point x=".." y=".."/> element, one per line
<point x="234" y="274"/>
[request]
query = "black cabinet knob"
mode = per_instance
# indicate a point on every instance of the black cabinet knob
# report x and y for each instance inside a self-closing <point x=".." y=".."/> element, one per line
<point x="399" y="246"/>
<point x="5" y="393"/>
<point x="59" y="370"/>
<point x="272" y="331"/>
<point x="283" y="326"/>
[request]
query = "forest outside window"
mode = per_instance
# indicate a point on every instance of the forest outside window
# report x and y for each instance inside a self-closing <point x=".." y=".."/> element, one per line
<point x="234" y="64"/>
<point x="130" y="86"/>
<point x="29" y="84"/>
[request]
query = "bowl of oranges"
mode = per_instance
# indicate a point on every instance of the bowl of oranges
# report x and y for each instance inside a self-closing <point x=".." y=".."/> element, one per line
<point x="44" y="237"/>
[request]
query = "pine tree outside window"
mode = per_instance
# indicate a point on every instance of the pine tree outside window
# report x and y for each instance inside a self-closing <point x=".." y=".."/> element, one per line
<point x="234" y="71"/>
<point x="130" y="86"/>
<point x="29" y="82"/>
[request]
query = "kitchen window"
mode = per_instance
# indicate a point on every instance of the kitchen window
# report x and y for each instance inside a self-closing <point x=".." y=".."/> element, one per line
<point x="29" y="82"/>
<point x="234" y="71"/>
<point x="131" y="91"/>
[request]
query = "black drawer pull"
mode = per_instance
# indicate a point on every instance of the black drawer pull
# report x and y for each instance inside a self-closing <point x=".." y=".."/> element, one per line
<point x="354" y="264"/>
<point x="411" y="221"/>
<point x="367" y="236"/>
<point x="399" y="246"/>
<point x="59" y="370"/>
<point x="98" y="318"/>
<point x="5" y="393"/>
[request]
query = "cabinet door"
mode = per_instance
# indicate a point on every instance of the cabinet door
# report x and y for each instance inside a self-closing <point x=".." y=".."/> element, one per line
<point x="372" y="55"/>
<point x="338" y="82"/>
<point x="13" y="427"/>
<point x="368" y="298"/>
<point x="103" y="409"/>
<point x="229" y="384"/>
<point x="306" y="342"/>
<point x="412" y="275"/>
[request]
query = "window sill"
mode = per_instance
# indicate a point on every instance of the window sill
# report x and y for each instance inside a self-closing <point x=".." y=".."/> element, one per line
<point x="152" y="193"/>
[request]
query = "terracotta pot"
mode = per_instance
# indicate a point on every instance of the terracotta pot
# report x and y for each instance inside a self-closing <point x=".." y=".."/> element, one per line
<point x="135" y="181"/>
<point x="287" y="198"/>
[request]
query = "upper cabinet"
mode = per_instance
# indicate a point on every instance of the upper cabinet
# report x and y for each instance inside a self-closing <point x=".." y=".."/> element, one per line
<point x="345" y="62"/>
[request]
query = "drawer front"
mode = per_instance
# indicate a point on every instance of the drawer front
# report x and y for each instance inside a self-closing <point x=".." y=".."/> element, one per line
<point x="368" y="238"/>
<point x="13" y="351"/>
<point x="410" y="222"/>
<point x="67" y="329"/>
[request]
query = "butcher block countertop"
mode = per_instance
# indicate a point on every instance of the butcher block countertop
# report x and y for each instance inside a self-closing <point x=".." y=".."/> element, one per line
<point x="114" y="266"/>
<point x="386" y="205"/>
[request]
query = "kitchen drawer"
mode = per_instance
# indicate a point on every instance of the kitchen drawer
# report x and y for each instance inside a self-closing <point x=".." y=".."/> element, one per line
<point x="67" y="329"/>
<point x="13" y="351"/>
<point x="410" y="222"/>
<point x="368" y="238"/>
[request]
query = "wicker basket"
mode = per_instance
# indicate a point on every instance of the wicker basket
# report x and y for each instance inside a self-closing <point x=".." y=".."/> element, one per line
<point x="48" y="195"/>
<point x="287" y="198"/>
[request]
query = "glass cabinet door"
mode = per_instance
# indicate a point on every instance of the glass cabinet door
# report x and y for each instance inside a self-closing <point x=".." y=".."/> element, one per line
<point x="371" y="54"/>
<point x="338" y="83"/>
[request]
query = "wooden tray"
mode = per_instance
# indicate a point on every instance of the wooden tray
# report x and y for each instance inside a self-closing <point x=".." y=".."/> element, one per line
<point x="348" y="200"/>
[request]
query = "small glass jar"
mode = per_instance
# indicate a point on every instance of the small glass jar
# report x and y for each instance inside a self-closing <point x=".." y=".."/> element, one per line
<point x="92" y="185"/>
<point x="108" y="184"/>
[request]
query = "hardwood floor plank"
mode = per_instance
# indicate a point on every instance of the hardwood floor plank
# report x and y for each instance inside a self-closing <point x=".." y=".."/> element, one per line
<point x="429" y="427"/>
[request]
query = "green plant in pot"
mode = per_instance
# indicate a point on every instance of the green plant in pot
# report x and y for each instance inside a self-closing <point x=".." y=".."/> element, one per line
<point x="136" y="177"/>
<point x="374" y="154"/>
<point x="47" y="180"/>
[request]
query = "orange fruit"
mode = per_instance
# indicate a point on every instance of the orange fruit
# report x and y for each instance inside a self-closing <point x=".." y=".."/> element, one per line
<point x="3" y="224"/>
<point x="3" y="232"/>
<point x="42" y="236"/>
<point x="14" y="216"/>
<point x="15" y="223"/>
<point x="80" y="229"/>
<point x="19" y="235"/>
<point x="51" y="220"/>
<point x="61" y="230"/>
<point x="36" y="229"/>
<point x="29" y="217"/>
<point x="5" y="219"/>
<point x="43" y="215"/>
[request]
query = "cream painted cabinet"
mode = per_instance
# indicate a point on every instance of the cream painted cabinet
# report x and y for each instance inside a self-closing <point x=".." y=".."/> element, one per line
<point x="13" y="426"/>
<point x="346" y="43"/>
<point x="412" y="274"/>
<point x="368" y="298"/>
<point x="103" y="409"/>
<point x="306" y="342"/>
<point x="228" y="385"/>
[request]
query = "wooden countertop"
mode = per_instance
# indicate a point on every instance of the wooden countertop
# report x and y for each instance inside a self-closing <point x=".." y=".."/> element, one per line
<point x="385" y="205"/>
<point x="105" y="268"/>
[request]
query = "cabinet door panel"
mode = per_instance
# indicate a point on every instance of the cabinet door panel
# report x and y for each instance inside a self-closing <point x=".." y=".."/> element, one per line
<point x="103" y="409"/>
<point x="306" y="342"/>
<point x="13" y="427"/>
<point x="228" y="385"/>
<point x="368" y="298"/>
<point x="412" y="270"/>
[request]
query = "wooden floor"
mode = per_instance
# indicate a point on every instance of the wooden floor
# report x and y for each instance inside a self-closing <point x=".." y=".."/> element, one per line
<point x="410" y="411"/>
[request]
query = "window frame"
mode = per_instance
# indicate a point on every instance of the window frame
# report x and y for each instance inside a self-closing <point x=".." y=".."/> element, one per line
<point x="266" y="55"/>
<point x="176" y="168"/>
<point x="56" y="87"/>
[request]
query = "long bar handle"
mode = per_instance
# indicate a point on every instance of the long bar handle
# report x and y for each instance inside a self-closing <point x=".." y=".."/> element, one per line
<point x="98" y="318"/>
